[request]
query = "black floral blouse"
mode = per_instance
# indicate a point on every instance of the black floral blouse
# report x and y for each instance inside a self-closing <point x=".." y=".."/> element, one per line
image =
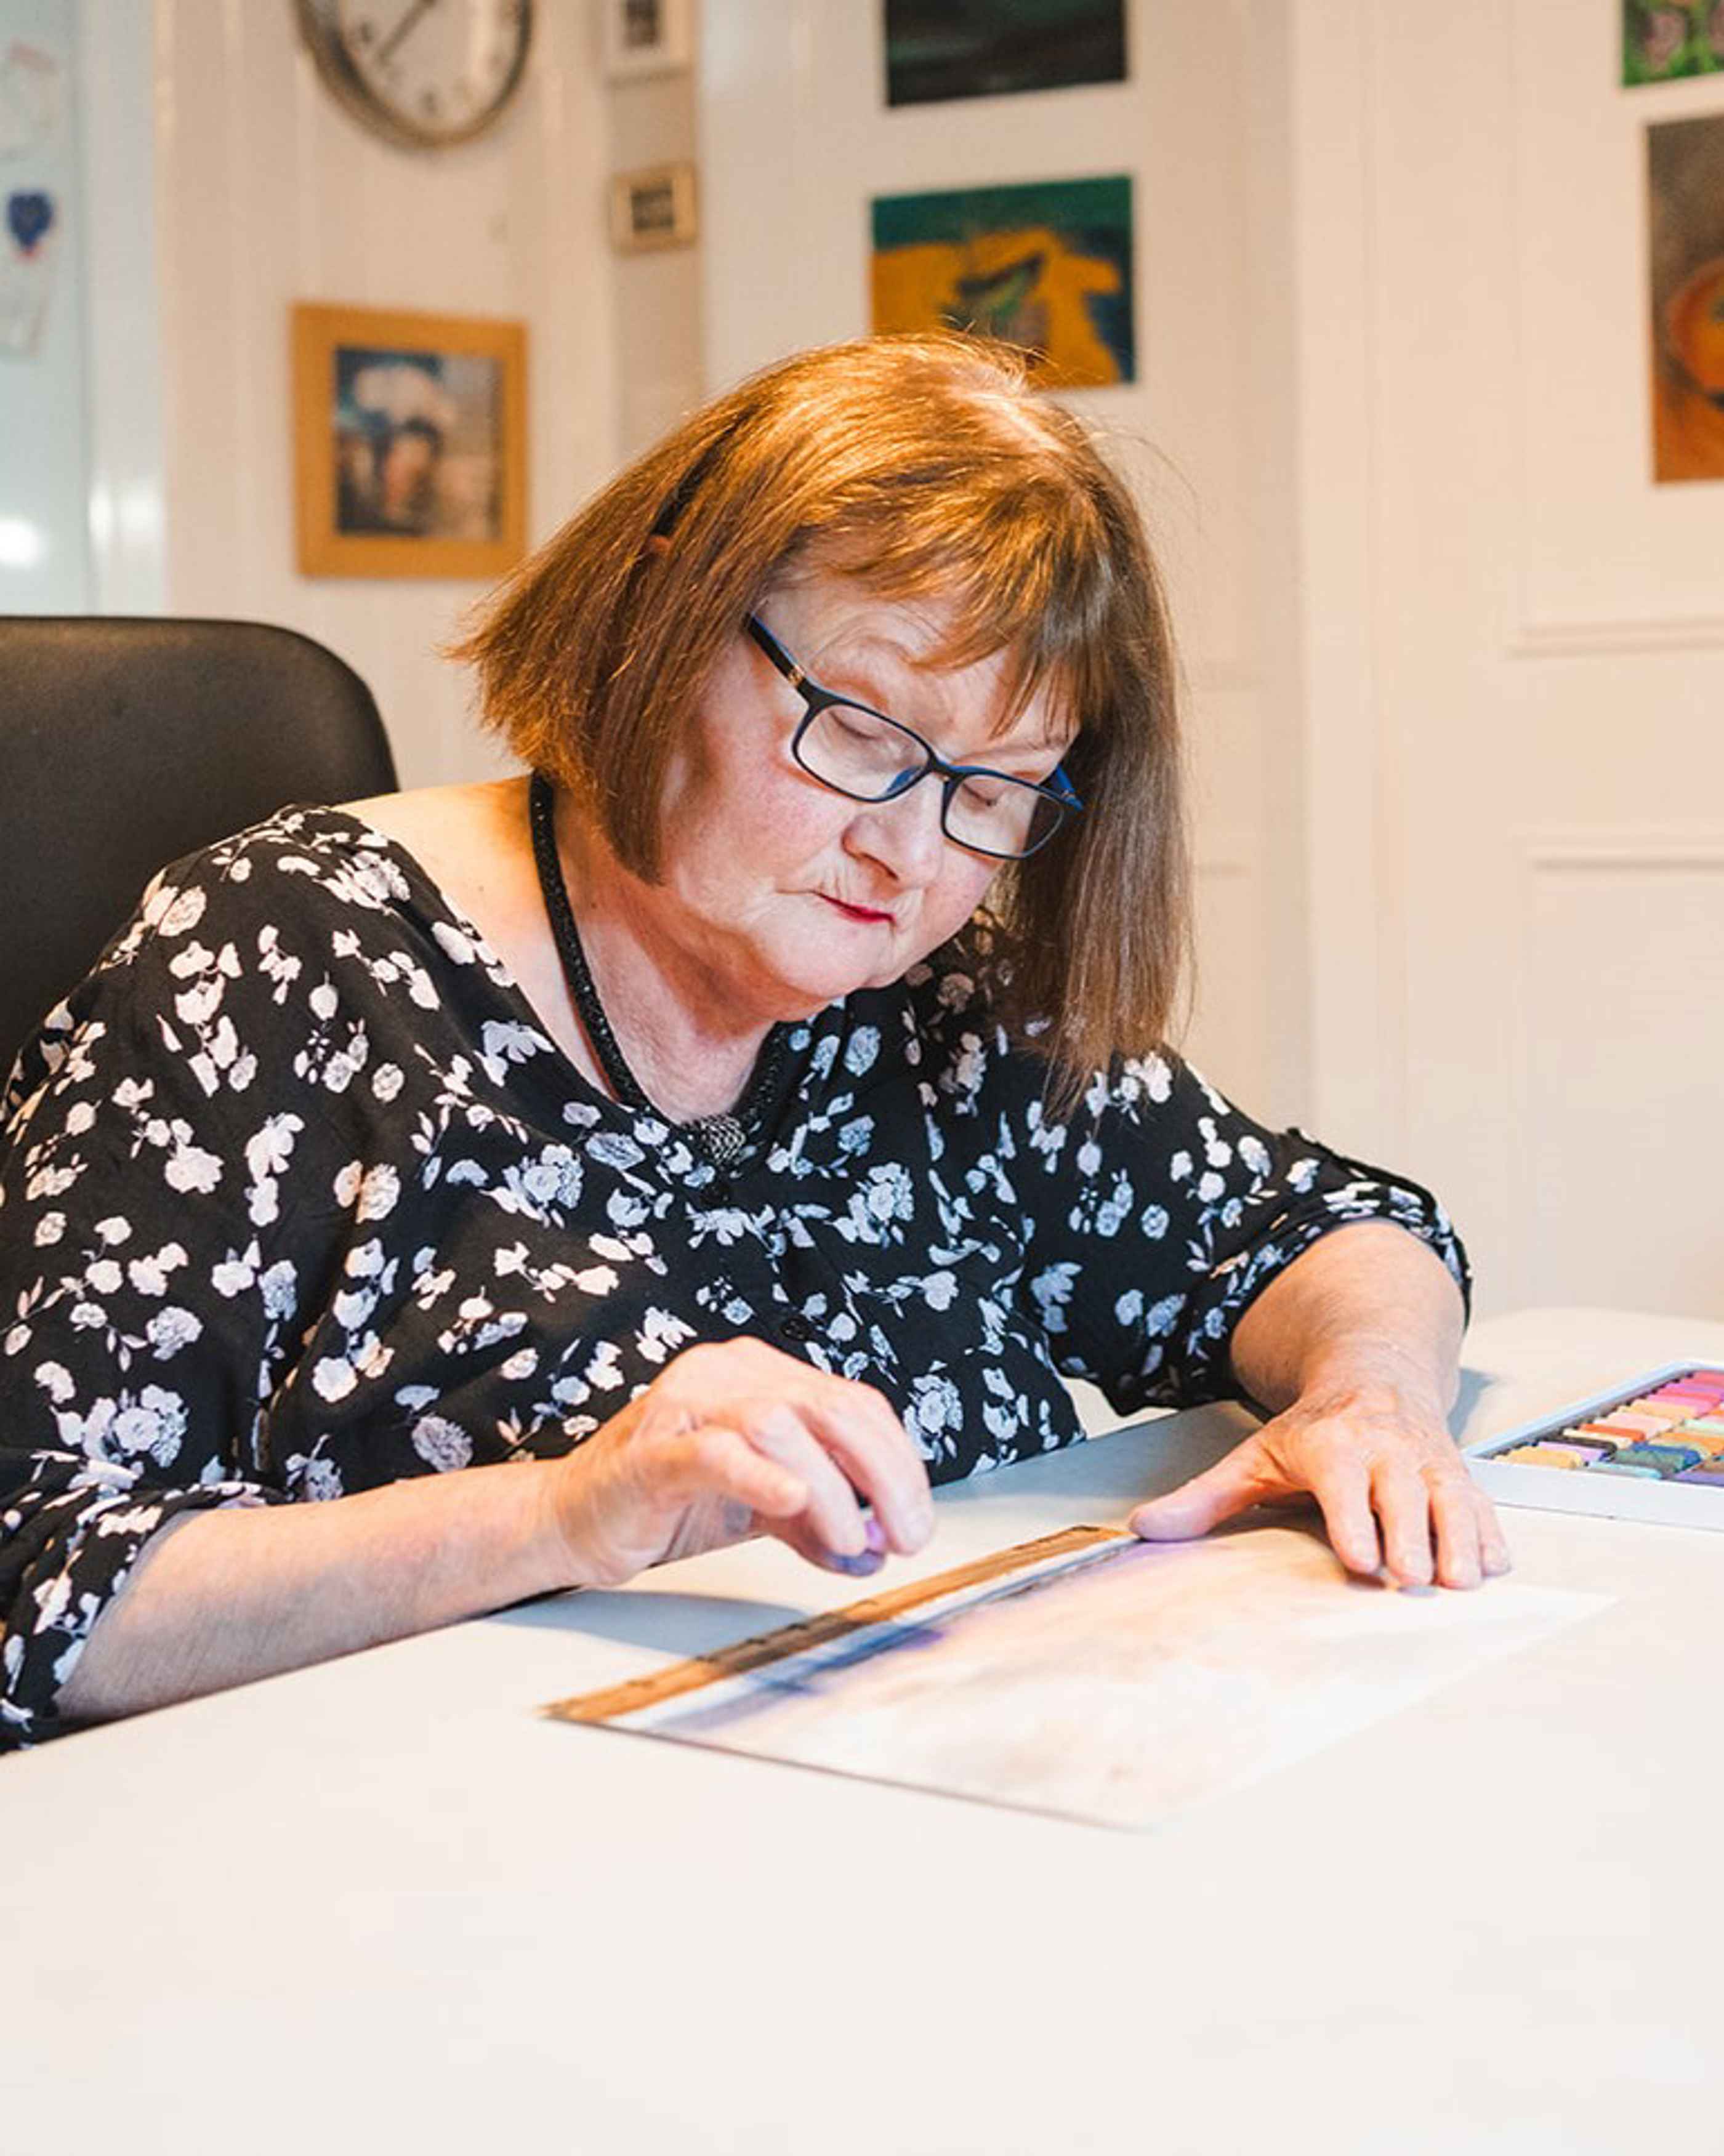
<point x="297" y="1198"/>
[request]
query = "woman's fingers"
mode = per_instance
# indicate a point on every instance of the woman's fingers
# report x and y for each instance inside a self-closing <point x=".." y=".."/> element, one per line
<point x="716" y="1459"/>
<point x="783" y="1431"/>
<point x="1493" y="1543"/>
<point x="860" y="1430"/>
<point x="1460" y="1557"/>
<point x="797" y="1535"/>
<point x="1342" y="1486"/>
<point x="1238" y="1480"/>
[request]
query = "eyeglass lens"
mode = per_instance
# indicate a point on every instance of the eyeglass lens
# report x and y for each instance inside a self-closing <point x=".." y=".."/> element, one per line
<point x="871" y="758"/>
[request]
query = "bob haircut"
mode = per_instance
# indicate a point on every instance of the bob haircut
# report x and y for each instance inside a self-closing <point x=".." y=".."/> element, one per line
<point x="928" y="469"/>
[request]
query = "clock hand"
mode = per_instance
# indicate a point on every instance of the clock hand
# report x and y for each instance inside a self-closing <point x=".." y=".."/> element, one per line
<point x="386" y="51"/>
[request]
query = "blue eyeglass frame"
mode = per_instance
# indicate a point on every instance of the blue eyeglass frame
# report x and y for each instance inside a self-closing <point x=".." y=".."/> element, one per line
<point x="1057" y="788"/>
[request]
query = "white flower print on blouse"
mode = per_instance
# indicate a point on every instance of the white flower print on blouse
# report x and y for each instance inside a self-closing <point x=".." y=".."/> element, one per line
<point x="297" y="1198"/>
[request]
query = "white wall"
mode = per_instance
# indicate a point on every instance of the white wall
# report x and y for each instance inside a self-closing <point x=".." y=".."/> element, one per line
<point x="127" y="476"/>
<point x="44" y="554"/>
<point x="655" y="294"/>
<point x="267" y="192"/>
<point x="797" y="139"/>
<point x="1515" y="650"/>
<point x="1458" y="664"/>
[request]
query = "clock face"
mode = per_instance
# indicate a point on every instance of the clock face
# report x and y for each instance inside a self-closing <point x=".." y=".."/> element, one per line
<point x="427" y="72"/>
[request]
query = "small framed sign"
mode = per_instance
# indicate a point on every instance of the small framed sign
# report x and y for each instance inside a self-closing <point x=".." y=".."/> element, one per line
<point x="654" y="207"/>
<point x="646" y="36"/>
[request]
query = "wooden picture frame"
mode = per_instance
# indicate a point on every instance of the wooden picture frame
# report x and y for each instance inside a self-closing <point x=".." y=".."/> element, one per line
<point x="646" y="36"/>
<point x="409" y="443"/>
<point x="653" y="206"/>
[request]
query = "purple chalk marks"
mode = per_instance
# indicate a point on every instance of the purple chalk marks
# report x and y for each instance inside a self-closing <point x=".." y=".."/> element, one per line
<point x="29" y="218"/>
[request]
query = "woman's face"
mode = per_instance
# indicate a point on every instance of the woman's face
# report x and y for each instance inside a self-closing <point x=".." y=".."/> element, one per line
<point x="795" y="895"/>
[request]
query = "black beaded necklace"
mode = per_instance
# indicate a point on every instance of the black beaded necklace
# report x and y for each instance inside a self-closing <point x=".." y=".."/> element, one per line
<point x="722" y="1138"/>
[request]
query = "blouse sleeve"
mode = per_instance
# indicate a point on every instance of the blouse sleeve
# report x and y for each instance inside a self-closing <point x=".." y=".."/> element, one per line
<point x="1160" y="1211"/>
<point x="142" y="1319"/>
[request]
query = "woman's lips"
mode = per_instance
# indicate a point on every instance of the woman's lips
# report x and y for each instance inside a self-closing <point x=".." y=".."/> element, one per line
<point x="858" y="913"/>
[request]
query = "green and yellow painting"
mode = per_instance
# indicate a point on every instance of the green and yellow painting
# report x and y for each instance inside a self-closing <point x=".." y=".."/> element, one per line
<point x="1046" y="266"/>
<point x="1663" y="39"/>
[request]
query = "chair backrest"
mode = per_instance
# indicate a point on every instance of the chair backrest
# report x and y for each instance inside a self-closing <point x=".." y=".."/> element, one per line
<point x="127" y="743"/>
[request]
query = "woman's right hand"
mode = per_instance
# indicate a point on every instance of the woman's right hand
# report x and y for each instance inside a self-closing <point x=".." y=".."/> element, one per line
<point x="735" y="1437"/>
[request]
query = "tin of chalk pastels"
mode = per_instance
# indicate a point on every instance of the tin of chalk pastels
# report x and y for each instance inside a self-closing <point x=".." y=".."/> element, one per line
<point x="1665" y="1464"/>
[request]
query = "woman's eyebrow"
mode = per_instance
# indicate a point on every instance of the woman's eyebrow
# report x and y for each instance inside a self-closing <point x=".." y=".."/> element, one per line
<point x="851" y="670"/>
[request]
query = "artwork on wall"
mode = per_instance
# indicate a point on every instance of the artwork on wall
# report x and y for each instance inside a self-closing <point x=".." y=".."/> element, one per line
<point x="941" y="49"/>
<point x="1046" y="266"/>
<point x="410" y="443"/>
<point x="1663" y="39"/>
<point x="654" y="207"/>
<point x="646" y="36"/>
<point x="1685" y="176"/>
<point x="27" y="266"/>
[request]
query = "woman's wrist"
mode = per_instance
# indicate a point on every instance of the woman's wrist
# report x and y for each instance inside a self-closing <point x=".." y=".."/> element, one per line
<point x="1413" y="1376"/>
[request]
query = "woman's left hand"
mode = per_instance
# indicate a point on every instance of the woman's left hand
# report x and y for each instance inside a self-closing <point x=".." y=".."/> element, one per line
<point x="1396" y="1497"/>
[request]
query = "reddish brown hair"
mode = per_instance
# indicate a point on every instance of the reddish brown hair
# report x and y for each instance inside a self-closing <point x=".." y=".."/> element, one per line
<point x="928" y="469"/>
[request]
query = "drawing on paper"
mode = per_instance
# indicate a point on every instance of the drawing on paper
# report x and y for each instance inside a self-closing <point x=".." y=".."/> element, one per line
<point x="1088" y="1675"/>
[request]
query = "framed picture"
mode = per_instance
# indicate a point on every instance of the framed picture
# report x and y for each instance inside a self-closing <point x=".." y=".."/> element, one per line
<point x="654" y="207"/>
<point x="1046" y="266"/>
<point x="1662" y="39"/>
<point x="937" y="50"/>
<point x="409" y="443"/>
<point x="645" y="37"/>
<point x="1684" y="188"/>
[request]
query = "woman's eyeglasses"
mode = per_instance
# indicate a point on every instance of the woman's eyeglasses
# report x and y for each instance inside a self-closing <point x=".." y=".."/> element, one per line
<point x="858" y="751"/>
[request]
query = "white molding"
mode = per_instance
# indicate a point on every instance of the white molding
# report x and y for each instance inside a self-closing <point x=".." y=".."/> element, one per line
<point x="1205" y="863"/>
<point x="1527" y="632"/>
<point x="1542" y="851"/>
<point x="1617" y="847"/>
<point x="1607" y="637"/>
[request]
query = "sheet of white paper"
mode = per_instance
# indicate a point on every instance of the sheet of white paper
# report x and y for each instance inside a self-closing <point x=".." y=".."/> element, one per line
<point x="1123" y="1690"/>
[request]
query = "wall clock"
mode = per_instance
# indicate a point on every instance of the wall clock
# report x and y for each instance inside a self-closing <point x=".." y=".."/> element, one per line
<point x="425" y="73"/>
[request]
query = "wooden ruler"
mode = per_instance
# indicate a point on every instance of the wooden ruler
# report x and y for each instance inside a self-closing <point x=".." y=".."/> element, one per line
<point x="616" y="1700"/>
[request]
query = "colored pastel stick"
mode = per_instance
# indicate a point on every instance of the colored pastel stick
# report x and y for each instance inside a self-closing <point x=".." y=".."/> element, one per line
<point x="1666" y="1459"/>
<point x="1617" y="1467"/>
<point x="1585" y="1450"/>
<point x="1709" y="1471"/>
<point x="1705" y="1425"/>
<point x="1625" y="1432"/>
<point x="1538" y="1456"/>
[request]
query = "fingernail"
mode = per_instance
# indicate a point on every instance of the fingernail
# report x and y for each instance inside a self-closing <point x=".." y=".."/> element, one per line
<point x="876" y="1537"/>
<point x="859" y="1567"/>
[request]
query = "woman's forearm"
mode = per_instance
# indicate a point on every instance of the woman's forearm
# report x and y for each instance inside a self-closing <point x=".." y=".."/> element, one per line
<point x="1368" y="1305"/>
<point x="221" y="1596"/>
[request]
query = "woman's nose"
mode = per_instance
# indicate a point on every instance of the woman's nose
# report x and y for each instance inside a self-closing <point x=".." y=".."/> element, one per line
<point x="903" y="834"/>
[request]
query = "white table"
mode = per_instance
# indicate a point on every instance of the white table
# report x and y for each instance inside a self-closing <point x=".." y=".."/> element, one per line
<point x="385" y="1905"/>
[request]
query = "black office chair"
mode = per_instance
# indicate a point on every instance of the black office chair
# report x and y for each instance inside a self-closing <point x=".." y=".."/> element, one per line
<point x="127" y="743"/>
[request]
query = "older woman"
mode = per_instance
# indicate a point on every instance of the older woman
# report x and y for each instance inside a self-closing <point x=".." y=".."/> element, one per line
<point x="737" y="1124"/>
